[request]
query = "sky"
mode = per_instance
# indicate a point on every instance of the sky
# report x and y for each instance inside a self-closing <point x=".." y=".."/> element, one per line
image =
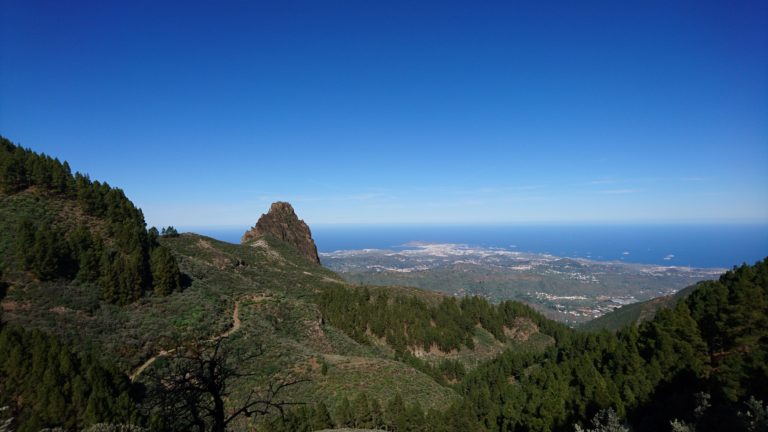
<point x="400" y="112"/>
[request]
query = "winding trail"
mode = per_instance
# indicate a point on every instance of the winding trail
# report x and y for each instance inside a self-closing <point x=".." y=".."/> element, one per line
<point x="163" y="353"/>
<point x="235" y="321"/>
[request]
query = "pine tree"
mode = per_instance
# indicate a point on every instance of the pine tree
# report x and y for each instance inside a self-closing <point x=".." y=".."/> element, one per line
<point x="166" y="277"/>
<point x="415" y="421"/>
<point x="3" y="288"/>
<point x="377" y="416"/>
<point x="396" y="416"/>
<point x="152" y="236"/>
<point x="124" y="272"/>
<point x="343" y="414"/>
<point x="363" y="414"/>
<point x="51" y="257"/>
<point x="169" y="232"/>
<point x="321" y="417"/>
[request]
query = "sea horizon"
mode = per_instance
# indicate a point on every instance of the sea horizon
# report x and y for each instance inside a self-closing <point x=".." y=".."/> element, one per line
<point x="705" y="245"/>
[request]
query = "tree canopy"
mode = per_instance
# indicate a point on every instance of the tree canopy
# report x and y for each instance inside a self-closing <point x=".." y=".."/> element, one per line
<point x="108" y="246"/>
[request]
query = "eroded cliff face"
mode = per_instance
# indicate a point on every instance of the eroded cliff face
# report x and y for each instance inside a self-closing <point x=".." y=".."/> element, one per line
<point x="281" y="222"/>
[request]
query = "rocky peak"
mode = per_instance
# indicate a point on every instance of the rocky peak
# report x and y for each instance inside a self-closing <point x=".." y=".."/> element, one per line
<point x="281" y="222"/>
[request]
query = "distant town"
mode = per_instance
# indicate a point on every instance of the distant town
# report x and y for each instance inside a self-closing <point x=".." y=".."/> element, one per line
<point x="572" y="290"/>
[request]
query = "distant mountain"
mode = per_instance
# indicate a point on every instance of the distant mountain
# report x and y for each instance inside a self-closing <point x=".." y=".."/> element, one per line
<point x="282" y="223"/>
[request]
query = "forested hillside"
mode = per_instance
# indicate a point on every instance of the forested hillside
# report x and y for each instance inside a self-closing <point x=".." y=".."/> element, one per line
<point x="46" y="384"/>
<point x="96" y="328"/>
<point x="700" y="366"/>
<point x="60" y="226"/>
<point x="406" y="322"/>
<point x="635" y="312"/>
<point x="712" y="345"/>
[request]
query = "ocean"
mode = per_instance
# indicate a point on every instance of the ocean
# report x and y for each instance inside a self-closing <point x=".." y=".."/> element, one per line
<point x="720" y="246"/>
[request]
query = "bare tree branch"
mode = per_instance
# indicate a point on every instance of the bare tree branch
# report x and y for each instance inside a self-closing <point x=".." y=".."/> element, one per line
<point x="190" y="387"/>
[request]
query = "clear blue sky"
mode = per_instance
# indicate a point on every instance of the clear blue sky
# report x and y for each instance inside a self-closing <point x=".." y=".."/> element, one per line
<point x="396" y="112"/>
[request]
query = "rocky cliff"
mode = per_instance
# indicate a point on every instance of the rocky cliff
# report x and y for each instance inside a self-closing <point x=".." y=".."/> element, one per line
<point x="281" y="222"/>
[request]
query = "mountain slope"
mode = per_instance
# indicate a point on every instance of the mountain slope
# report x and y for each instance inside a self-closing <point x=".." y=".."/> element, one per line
<point x="270" y="284"/>
<point x="274" y="288"/>
<point x="701" y="362"/>
<point x="56" y="226"/>
<point x="635" y="312"/>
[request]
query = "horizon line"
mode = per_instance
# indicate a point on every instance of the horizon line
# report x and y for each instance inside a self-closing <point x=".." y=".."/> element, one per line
<point x="493" y="224"/>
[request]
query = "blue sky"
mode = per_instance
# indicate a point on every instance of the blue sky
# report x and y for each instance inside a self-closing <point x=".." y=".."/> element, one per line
<point x="397" y="112"/>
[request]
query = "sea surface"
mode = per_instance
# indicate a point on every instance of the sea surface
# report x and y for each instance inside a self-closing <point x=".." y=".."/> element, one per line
<point x="680" y="245"/>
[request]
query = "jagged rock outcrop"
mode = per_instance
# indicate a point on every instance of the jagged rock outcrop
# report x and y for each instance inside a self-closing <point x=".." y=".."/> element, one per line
<point x="281" y="222"/>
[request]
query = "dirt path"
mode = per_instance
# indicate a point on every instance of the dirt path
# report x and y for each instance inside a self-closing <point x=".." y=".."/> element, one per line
<point x="135" y="374"/>
<point x="235" y="327"/>
<point x="235" y="321"/>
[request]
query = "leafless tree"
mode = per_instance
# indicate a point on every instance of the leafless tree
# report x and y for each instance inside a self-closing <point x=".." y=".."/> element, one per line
<point x="192" y="386"/>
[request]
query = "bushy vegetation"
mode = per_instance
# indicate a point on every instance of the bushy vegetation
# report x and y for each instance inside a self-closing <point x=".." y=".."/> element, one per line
<point x="445" y="372"/>
<point x="362" y="412"/>
<point x="108" y="245"/>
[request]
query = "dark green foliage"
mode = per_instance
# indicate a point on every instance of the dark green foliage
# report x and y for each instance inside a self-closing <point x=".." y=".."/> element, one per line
<point x="45" y="252"/>
<point x="3" y="289"/>
<point x="166" y="277"/>
<point x="636" y="312"/>
<point x="152" y="237"/>
<point x="343" y="415"/>
<point x="395" y="416"/>
<point x="19" y="171"/>
<point x="361" y="413"/>
<point x="47" y="385"/>
<point x="87" y="251"/>
<point x="452" y="370"/>
<point x="446" y="372"/>
<point x="169" y="232"/>
<point x="407" y="322"/>
<point x="114" y="250"/>
<point x="361" y="409"/>
<point x="714" y="342"/>
<point x="122" y="280"/>
<point x="25" y="243"/>
<point x="321" y="417"/>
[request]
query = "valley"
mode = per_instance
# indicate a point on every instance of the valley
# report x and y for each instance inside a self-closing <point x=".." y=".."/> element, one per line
<point x="571" y="290"/>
